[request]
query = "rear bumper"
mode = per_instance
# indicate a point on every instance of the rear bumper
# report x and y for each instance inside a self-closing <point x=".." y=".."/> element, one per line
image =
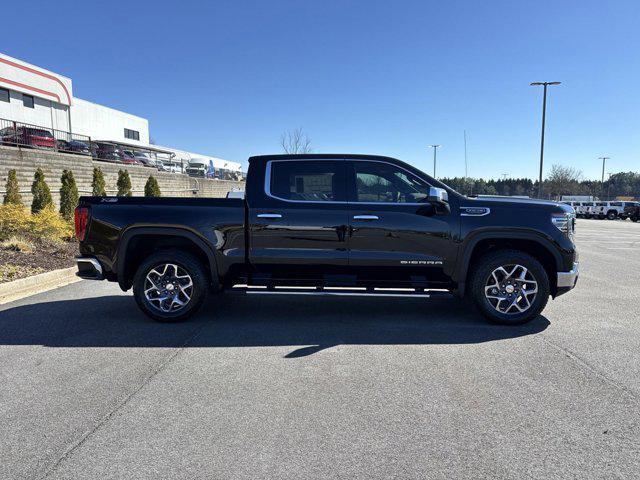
<point x="568" y="280"/>
<point x="89" y="268"/>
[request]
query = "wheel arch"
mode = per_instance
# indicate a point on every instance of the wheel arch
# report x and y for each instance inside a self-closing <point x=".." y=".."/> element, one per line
<point x="137" y="243"/>
<point x="531" y="243"/>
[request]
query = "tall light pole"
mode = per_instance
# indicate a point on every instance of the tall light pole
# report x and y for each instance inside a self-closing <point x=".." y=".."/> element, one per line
<point x="604" y="159"/>
<point x="544" y="113"/>
<point x="435" y="149"/>
<point x="608" y="185"/>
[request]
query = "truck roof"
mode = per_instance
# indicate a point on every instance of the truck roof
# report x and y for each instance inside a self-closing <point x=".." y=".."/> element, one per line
<point x="320" y="156"/>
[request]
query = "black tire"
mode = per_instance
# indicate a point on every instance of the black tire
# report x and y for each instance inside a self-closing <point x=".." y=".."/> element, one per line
<point x="186" y="263"/>
<point x="612" y="215"/>
<point x="481" y="275"/>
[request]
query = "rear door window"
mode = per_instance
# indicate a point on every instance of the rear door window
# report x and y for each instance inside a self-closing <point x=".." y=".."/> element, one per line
<point x="307" y="180"/>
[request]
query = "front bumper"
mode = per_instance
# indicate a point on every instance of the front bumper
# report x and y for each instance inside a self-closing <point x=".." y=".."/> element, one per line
<point x="568" y="280"/>
<point x="89" y="268"/>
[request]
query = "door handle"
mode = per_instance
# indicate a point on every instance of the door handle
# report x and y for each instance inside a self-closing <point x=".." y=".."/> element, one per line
<point x="269" y="215"/>
<point x="366" y="217"/>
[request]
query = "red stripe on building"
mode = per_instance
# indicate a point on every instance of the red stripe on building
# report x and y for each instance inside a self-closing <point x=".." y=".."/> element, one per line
<point x="42" y="74"/>
<point x="29" y="87"/>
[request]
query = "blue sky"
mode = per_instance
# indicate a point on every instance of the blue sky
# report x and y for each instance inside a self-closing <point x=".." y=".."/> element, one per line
<point x="385" y="77"/>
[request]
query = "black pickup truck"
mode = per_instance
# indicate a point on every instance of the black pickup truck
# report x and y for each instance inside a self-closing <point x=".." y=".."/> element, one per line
<point x="331" y="225"/>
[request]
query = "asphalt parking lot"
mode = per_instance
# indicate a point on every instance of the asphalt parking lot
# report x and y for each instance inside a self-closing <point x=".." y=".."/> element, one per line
<point x="314" y="388"/>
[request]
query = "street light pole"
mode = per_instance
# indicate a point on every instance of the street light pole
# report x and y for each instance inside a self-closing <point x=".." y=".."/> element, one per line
<point x="544" y="114"/>
<point x="435" y="149"/>
<point x="604" y="159"/>
<point x="609" y="186"/>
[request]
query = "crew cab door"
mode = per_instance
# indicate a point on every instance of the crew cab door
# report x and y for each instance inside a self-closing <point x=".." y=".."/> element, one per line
<point x="298" y="225"/>
<point x="396" y="235"/>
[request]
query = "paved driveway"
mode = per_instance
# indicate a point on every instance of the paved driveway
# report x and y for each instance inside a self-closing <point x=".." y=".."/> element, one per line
<point x="301" y="387"/>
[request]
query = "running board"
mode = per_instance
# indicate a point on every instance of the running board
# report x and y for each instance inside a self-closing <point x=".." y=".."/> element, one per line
<point x="342" y="291"/>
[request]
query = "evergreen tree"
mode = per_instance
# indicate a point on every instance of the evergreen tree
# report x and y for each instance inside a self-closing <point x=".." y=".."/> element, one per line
<point x="151" y="188"/>
<point x="98" y="186"/>
<point x="124" y="184"/>
<point x="68" y="195"/>
<point x="41" y="193"/>
<point x="12" y="195"/>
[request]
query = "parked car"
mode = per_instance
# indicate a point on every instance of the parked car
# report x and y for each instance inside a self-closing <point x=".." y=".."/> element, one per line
<point x="600" y="210"/>
<point x="108" y="152"/>
<point x="129" y="158"/>
<point x="632" y="211"/>
<point x="28" y="137"/>
<point x="145" y="159"/>
<point x="171" y="167"/>
<point x="359" y="222"/>
<point x="73" y="146"/>
<point x="586" y="209"/>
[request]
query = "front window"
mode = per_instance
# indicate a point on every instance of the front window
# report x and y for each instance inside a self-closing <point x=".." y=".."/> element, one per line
<point x="309" y="181"/>
<point x="4" y="95"/>
<point x="378" y="182"/>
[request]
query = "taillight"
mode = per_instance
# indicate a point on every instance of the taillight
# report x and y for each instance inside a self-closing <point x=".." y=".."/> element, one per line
<point x="81" y="218"/>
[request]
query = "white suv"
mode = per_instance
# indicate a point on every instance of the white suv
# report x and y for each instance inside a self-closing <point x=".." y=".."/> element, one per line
<point x="585" y="209"/>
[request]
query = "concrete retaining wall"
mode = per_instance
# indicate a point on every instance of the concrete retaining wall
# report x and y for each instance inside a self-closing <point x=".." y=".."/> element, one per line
<point x="25" y="161"/>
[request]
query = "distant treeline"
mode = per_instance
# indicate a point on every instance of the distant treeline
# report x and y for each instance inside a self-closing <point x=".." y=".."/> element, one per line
<point x="561" y="181"/>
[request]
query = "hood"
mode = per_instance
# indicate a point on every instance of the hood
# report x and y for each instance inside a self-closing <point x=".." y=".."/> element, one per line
<point x="517" y="203"/>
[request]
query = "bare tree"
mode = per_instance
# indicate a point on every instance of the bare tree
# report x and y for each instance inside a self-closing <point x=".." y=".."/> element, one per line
<point x="295" y="141"/>
<point x="563" y="180"/>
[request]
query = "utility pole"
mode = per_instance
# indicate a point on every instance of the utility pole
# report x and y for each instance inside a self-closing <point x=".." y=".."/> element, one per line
<point x="504" y="176"/>
<point x="544" y="113"/>
<point x="609" y="185"/>
<point x="466" y="171"/>
<point x="435" y="149"/>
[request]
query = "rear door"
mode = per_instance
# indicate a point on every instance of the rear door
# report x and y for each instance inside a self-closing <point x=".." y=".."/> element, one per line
<point x="298" y="225"/>
<point x="396" y="235"/>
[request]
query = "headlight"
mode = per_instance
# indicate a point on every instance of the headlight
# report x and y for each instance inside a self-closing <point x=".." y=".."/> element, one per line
<point x="565" y="222"/>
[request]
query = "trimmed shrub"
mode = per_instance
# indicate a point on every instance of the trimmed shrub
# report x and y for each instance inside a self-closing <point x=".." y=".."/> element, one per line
<point x="68" y="195"/>
<point x="12" y="195"/>
<point x="49" y="225"/>
<point x="124" y="184"/>
<point x="40" y="191"/>
<point x="98" y="185"/>
<point x="151" y="188"/>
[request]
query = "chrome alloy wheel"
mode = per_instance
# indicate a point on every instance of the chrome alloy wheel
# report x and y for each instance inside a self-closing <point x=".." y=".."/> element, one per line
<point x="511" y="289"/>
<point x="168" y="288"/>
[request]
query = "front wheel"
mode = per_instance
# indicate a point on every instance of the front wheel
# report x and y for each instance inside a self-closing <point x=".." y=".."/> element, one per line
<point x="170" y="286"/>
<point x="509" y="287"/>
<point x="612" y="215"/>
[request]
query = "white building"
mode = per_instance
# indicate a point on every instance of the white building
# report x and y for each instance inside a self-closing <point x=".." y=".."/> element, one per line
<point x="33" y="95"/>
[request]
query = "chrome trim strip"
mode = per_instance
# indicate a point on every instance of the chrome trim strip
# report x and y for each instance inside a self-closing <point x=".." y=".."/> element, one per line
<point x="568" y="279"/>
<point x="92" y="261"/>
<point x="486" y="209"/>
<point x="267" y="182"/>
<point x="269" y="215"/>
<point x="366" y="217"/>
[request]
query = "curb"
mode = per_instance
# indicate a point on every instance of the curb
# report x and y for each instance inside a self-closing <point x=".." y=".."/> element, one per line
<point x="25" y="287"/>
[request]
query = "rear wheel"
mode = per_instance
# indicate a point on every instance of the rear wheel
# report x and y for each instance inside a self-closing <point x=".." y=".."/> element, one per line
<point x="612" y="215"/>
<point x="170" y="286"/>
<point x="509" y="287"/>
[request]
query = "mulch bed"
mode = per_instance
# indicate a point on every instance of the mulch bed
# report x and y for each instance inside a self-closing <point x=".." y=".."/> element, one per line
<point x="46" y="256"/>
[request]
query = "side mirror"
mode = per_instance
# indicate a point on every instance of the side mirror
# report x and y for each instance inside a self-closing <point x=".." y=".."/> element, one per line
<point x="438" y="196"/>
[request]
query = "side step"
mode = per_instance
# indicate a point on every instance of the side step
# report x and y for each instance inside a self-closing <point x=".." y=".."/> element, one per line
<point x="341" y="291"/>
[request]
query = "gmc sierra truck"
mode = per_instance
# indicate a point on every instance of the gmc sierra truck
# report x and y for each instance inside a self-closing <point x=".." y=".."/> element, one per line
<point x="331" y="225"/>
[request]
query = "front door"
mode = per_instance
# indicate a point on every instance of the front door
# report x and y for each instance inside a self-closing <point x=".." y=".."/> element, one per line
<point x="300" y="229"/>
<point x="396" y="235"/>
